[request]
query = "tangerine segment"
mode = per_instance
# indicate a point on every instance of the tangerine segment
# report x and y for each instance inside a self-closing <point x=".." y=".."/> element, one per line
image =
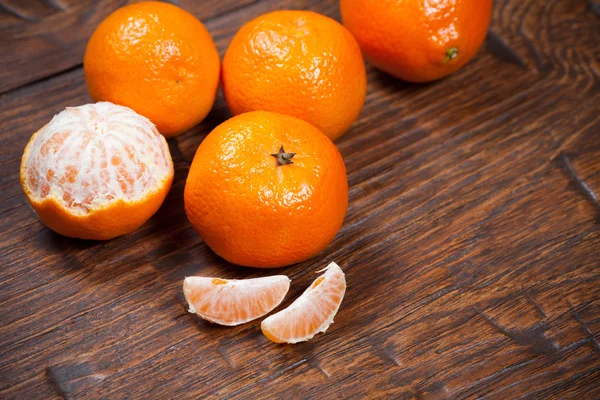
<point x="310" y="313"/>
<point x="96" y="171"/>
<point x="234" y="302"/>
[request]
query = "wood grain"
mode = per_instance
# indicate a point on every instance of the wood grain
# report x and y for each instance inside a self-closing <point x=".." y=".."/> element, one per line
<point x="471" y="244"/>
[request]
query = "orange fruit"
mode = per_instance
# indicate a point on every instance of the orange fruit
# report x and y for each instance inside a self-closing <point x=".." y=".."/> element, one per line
<point x="96" y="171"/>
<point x="233" y="302"/>
<point x="298" y="63"/>
<point x="266" y="190"/>
<point x="157" y="59"/>
<point x="418" y="40"/>
<point x="312" y="312"/>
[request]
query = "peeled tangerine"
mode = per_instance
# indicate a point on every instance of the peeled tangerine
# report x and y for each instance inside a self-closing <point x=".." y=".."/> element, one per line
<point x="233" y="302"/>
<point x="310" y="313"/>
<point x="96" y="171"/>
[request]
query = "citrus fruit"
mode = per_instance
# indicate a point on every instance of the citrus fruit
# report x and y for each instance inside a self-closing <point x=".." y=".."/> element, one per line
<point x="157" y="59"/>
<point x="96" y="171"/>
<point x="298" y="63"/>
<point x="418" y="40"/>
<point x="234" y="302"/>
<point x="312" y="312"/>
<point x="266" y="190"/>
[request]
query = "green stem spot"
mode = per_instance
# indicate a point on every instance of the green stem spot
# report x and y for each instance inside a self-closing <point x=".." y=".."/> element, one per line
<point x="283" y="158"/>
<point x="451" y="54"/>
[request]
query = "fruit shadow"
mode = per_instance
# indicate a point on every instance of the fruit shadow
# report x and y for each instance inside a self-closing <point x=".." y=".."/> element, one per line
<point x="187" y="143"/>
<point x="379" y="81"/>
<point x="96" y="262"/>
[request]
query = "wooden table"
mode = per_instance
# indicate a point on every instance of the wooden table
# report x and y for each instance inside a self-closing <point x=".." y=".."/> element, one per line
<point x="471" y="244"/>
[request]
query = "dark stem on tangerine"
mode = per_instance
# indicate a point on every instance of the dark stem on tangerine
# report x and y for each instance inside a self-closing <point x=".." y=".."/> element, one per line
<point x="283" y="158"/>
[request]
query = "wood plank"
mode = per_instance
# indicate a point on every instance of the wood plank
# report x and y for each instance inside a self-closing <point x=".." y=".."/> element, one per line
<point x="43" y="38"/>
<point x="471" y="247"/>
<point x="450" y="183"/>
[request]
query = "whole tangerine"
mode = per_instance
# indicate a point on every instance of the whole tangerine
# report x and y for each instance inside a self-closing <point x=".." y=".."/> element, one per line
<point x="156" y="59"/>
<point x="266" y="190"/>
<point x="418" y="40"/>
<point x="298" y="63"/>
<point x="96" y="171"/>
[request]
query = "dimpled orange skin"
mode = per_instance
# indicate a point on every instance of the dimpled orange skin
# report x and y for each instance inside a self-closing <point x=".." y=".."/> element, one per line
<point x="409" y="39"/>
<point x="251" y="211"/>
<point x="156" y="59"/>
<point x="298" y="63"/>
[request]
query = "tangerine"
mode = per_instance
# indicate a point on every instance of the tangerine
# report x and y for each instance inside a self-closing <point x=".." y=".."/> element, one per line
<point x="266" y="190"/>
<point x="157" y="59"/>
<point x="298" y="63"/>
<point x="96" y="171"/>
<point x="418" y="40"/>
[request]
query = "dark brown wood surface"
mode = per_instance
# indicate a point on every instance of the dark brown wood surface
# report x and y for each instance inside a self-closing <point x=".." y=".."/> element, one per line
<point x="471" y="245"/>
